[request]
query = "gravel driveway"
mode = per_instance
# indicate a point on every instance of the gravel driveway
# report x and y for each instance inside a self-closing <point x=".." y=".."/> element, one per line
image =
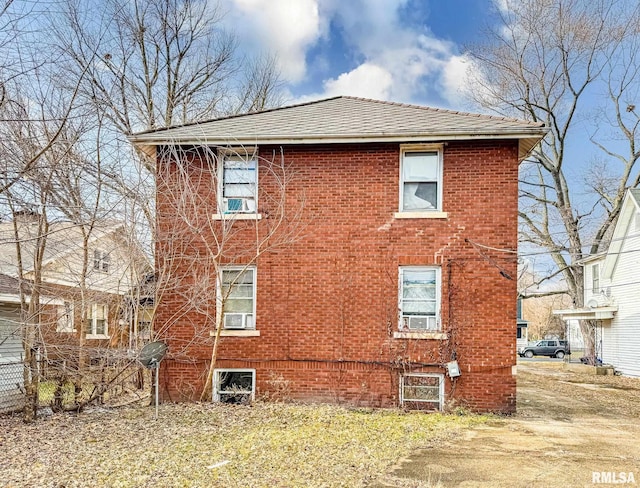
<point x="572" y="430"/>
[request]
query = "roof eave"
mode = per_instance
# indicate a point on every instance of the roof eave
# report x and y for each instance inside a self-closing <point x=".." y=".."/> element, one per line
<point x="597" y="313"/>
<point x="527" y="140"/>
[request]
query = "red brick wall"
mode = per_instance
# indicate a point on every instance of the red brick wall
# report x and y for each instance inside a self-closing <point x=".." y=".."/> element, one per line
<point x="65" y="345"/>
<point x="327" y="303"/>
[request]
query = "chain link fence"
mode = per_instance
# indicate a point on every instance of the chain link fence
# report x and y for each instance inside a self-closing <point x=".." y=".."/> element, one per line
<point x="63" y="386"/>
<point x="12" y="391"/>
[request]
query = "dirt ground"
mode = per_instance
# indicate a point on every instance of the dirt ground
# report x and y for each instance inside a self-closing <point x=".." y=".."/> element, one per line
<point x="568" y="426"/>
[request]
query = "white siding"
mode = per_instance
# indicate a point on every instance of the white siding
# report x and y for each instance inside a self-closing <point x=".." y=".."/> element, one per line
<point x="120" y="278"/>
<point x="621" y="337"/>
<point x="11" y="356"/>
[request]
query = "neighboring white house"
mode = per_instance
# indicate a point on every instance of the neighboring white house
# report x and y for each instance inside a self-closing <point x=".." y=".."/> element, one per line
<point x="115" y="267"/>
<point x="612" y="292"/>
<point x="522" y="331"/>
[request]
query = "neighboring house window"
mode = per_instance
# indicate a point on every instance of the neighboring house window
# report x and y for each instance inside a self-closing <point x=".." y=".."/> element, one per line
<point x="237" y="294"/>
<point x="419" y="298"/>
<point x="234" y="385"/>
<point x="422" y="391"/>
<point x="595" y="278"/>
<point x="239" y="184"/>
<point x="421" y="181"/>
<point x="65" y="318"/>
<point x="96" y="321"/>
<point x="144" y="331"/>
<point x="101" y="261"/>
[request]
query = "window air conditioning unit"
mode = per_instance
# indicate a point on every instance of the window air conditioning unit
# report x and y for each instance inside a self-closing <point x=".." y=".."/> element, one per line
<point x="235" y="320"/>
<point x="421" y="323"/>
<point x="238" y="205"/>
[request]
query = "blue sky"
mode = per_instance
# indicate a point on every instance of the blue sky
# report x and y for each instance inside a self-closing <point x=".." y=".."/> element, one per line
<point x="400" y="50"/>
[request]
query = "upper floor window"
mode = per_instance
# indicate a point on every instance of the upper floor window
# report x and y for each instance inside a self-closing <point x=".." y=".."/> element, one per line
<point x="96" y="321"/>
<point x="421" y="180"/>
<point x="101" y="261"/>
<point x="239" y="184"/>
<point x="419" y="298"/>
<point x="595" y="278"/>
<point x="237" y="294"/>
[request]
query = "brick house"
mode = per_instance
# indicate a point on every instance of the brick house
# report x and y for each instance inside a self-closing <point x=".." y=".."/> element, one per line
<point x="396" y="220"/>
<point x="78" y="306"/>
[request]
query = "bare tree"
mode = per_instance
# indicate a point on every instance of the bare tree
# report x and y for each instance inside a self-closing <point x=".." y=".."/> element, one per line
<point x="204" y="252"/>
<point x="161" y="62"/>
<point x="545" y="61"/>
<point x="54" y="168"/>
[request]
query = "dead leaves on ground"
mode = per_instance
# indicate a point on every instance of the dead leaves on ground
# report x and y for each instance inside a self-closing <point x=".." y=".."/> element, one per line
<point x="208" y="445"/>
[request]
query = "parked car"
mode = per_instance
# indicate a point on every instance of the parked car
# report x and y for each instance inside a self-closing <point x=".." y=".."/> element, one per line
<point x="547" y="347"/>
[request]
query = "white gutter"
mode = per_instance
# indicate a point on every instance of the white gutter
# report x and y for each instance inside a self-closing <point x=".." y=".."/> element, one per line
<point x="15" y="299"/>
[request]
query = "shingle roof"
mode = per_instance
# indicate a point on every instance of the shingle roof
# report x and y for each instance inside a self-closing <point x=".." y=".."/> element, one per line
<point x="63" y="238"/>
<point x="345" y="119"/>
<point x="8" y="284"/>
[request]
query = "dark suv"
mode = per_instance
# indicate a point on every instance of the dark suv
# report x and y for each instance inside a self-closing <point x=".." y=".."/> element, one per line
<point x="547" y="347"/>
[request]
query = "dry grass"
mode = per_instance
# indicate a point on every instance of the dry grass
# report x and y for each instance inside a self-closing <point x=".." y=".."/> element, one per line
<point x="209" y="445"/>
<point x="574" y="394"/>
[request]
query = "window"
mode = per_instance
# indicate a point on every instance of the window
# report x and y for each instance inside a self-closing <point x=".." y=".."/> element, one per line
<point x="239" y="184"/>
<point x="238" y="297"/>
<point x="595" y="278"/>
<point x="419" y="299"/>
<point x="65" y="318"/>
<point x="144" y="331"/>
<point x="422" y="391"/>
<point x="234" y="385"/>
<point x="420" y="185"/>
<point x="96" y="321"/>
<point x="101" y="261"/>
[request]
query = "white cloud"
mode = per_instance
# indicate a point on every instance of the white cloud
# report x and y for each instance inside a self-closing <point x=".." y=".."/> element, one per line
<point x="367" y="80"/>
<point x="413" y="59"/>
<point x="455" y="78"/>
<point x="394" y="59"/>
<point x="286" y="28"/>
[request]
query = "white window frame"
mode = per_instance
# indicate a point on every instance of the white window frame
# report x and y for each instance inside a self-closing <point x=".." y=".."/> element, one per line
<point x="221" y="302"/>
<point x="65" y="322"/>
<point x="92" y="312"/>
<point x="595" y="279"/>
<point x="218" y="395"/>
<point x="101" y="261"/>
<point x="403" y="320"/>
<point x="248" y="205"/>
<point x="438" y="181"/>
<point x="439" y="403"/>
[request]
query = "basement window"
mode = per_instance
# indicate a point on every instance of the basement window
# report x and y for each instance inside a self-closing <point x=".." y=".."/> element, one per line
<point x="422" y="391"/>
<point x="234" y="385"/>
